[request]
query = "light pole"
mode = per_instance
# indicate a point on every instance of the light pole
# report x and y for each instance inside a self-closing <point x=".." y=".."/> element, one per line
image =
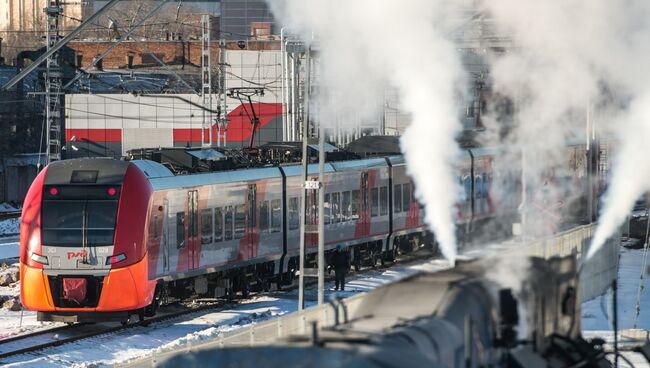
<point x="305" y="174"/>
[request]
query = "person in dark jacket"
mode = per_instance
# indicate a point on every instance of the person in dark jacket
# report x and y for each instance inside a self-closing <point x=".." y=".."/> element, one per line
<point x="340" y="261"/>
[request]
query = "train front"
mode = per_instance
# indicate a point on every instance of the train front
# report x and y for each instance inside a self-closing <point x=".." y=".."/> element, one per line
<point x="82" y="242"/>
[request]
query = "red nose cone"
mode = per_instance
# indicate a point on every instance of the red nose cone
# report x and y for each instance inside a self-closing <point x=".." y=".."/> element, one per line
<point x="111" y="191"/>
<point x="54" y="191"/>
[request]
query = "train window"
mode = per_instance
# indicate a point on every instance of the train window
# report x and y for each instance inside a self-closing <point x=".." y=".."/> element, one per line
<point x="180" y="230"/>
<point x="327" y="209"/>
<point x="206" y="226"/>
<point x="240" y="221"/>
<point x="383" y="201"/>
<point x="228" y="225"/>
<point x="155" y="226"/>
<point x="100" y="223"/>
<point x="345" y="206"/>
<point x="218" y="224"/>
<point x="336" y="208"/>
<point x="65" y="221"/>
<point x="406" y="197"/>
<point x="397" y="198"/>
<point x="356" y="199"/>
<point x="276" y="215"/>
<point x="374" y="202"/>
<point x="294" y="214"/>
<point x="264" y="216"/>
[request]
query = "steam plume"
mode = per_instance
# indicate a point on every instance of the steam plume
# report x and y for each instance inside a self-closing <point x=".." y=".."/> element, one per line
<point x="572" y="54"/>
<point x="365" y="45"/>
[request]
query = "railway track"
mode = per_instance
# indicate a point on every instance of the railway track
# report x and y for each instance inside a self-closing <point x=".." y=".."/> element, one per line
<point x="57" y="336"/>
<point x="39" y="340"/>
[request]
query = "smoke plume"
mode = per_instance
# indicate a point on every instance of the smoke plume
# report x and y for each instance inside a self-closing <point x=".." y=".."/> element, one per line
<point x="572" y="56"/>
<point x="366" y="45"/>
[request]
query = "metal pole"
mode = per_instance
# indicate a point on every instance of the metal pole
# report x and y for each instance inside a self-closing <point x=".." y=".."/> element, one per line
<point x="305" y="168"/>
<point x="321" y="212"/>
<point x="590" y="179"/>
<point x="59" y="45"/>
<point x="206" y="80"/>
<point x="283" y="53"/>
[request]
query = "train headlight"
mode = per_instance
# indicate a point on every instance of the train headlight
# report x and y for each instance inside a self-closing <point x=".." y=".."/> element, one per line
<point x="115" y="259"/>
<point x="38" y="258"/>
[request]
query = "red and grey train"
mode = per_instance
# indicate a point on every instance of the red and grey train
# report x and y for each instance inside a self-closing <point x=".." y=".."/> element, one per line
<point x="106" y="239"/>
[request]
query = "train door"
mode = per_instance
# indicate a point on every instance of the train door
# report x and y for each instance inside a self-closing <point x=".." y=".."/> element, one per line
<point x="193" y="238"/>
<point x="252" y="230"/>
<point x="365" y="203"/>
<point x="164" y="243"/>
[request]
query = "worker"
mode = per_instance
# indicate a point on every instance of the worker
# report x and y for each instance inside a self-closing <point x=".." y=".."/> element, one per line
<point x="341" y="263"/>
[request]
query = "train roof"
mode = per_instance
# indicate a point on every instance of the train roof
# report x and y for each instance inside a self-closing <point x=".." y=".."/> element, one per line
<point x="162" y="178"/>
<point x="222" y="177"/>
<point x="152" y="169"/>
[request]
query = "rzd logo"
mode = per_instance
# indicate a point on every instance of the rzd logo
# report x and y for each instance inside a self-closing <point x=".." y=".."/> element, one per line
<point x="77" y="254"/>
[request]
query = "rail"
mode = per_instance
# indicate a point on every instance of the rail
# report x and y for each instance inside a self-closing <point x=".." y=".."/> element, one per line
<point x="9" y="215"/>
<point x="574" y="241"/>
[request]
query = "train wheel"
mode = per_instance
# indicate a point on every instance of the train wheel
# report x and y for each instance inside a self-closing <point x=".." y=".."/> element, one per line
<point x="150" y="310"/>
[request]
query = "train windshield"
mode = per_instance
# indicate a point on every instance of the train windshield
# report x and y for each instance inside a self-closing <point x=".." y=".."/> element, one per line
<point x="78" y="222"/>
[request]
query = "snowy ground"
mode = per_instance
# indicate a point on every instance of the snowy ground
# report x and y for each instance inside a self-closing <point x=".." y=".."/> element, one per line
<point x="9" y="231"/>
<point x="140" y="341"/>
<point x="595" y="312"/>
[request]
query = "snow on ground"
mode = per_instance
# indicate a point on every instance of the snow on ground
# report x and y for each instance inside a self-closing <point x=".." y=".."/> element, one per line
<point x="9" y="248"/>
<point x="6" y="207"/>
<point x="10" y="227"/>
<point x="140" y="341"/>
<point x="595" y="312"/>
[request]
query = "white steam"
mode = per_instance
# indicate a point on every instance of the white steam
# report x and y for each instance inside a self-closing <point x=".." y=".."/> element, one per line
<point x="572" y="55"/>
<point x="365" y="45"/>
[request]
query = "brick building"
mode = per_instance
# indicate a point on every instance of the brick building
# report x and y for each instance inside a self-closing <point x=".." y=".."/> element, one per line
<point x="130" y="54"/>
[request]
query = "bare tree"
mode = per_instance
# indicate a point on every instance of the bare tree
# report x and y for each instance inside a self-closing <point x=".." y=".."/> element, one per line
<point x="172" y="20"/>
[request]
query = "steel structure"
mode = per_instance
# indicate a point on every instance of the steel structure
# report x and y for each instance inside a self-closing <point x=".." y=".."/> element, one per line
<point x="53" y="80"/>
<point x="206" y="81"/>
